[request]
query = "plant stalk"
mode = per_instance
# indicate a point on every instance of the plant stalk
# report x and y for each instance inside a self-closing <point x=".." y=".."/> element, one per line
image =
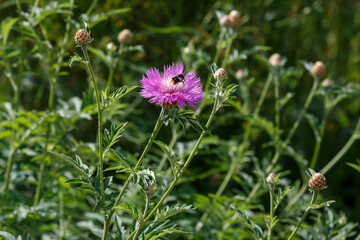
<point x="157" y="127"/>
<point x="314" y="196"/>
<point x="98" y="103"/>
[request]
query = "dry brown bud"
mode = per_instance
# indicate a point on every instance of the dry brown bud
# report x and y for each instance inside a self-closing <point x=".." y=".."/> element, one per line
<point x="326" y="83"/>
<point x="275" y="60"/>
<point x="319" y="69"/>
<point x="317" y="182"/>
<point x="82" y="37"/>
<point x="225" y="21"/>
<point x="125" y="36"/>
<point x="234" y="17"/>
<point x="221" y="73"/>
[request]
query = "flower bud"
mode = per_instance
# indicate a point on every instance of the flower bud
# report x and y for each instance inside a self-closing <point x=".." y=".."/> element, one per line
<point x="82" y="37"/>
<point x="326" y="83"/>
<point x="225" y="21"/>
<point x="125" y="36"/>
<point x="317" y="182"/>
<point x="319" y="69"/>
<point x="221" y="73"/>
<point x="234" y="17"/>
<point x="240" y="74"/>
<point x="275" y="60"/>
<point x="271" y="178"/>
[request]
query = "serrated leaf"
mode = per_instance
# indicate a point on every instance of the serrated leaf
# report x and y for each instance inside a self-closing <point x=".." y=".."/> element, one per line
<point x="115" y="96"/>
<point x="82" y="168"/>
<point x="280" y="196"/>
<point x="6" y="26"/>
<point x="76" y="180"/>
<point x="321" y="205"/>
<point x="74" y="59"/>
<point x="167" y="212"/>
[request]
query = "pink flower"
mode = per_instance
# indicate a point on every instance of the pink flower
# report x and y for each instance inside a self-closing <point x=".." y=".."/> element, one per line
<point x="172" y="88"/>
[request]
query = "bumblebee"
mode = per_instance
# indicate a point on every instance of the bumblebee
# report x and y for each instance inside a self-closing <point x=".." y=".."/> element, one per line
<point x="178" y="78"/>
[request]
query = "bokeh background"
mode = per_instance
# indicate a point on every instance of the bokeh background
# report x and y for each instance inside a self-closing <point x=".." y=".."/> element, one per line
<point x="309" y="30"/>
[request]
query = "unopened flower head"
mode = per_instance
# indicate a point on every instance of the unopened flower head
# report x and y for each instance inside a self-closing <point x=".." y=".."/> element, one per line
<point x="240" y="74"/>
<point x="271" y="178"/>
<point x="317" y="182"/>
<point x="319" y="69"/>
<point x="225" y="21"/>
<point x="221" y="74"/>
<point x="125" y="36"/>
<point x="326" y="83"/>
<point x="171" y="88"/>
<point x="234" y="17"/>
<point x="82" y="37"/>
<point x="275" y="60"/>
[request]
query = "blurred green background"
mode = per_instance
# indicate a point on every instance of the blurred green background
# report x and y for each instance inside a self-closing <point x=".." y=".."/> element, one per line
<point x="326" y="30"/>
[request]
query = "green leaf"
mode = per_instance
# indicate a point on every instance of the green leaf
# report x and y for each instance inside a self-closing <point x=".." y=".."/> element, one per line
<point x="75" y="59"/>
<point x="7" y="235"/>
<point x="5" y="134"/>
<point x="214" y="67"/>
<point x="280" y="196"/>
<point x="82" y="168"/>
<point x="107" y="100"/>
<point x="167" y="212"/>
<point x="6" y="26"/>
<point x="252" y="227"/>
<point x="96" y="19"/>
<point x="129" y="208"/>
<point x="77" y="180"/>
<point x="356" y="167"/>
<point x="321" y="205"/>
<point x="112" y="137"/>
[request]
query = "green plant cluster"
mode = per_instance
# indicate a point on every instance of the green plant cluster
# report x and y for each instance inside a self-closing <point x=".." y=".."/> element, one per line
<point x="84" y="156"/>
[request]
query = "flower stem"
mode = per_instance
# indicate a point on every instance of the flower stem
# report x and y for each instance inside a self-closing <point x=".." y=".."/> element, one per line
<point x="271" y="210"/>
<point x="314" y="196"/>
<point x="289" y="137"/>
<point x="321" y="134"/>
<point x="277" y="109"/>
<point x="98" y="102"/>
<point x="178" y="176"/>
<point x="157" y="127"/>
<point x="346" y="147"/>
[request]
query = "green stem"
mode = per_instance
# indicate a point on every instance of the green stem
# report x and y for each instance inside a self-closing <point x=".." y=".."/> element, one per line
<point x="320" y="137"/>
<point x="263" y="95"/>
<point x="177" y="177"/>
<point x="271" y="210"/>
<point x="157" y="127"/>
<point x="346" y="147"/>
<point x="97" y="94"/>
<point x="88" y="12"/>
<point x="110" y="77"/>
<point x="287" y="140"/>
<point x="8" y="172"/>
<point x="61" y="215"/>
<point x="314" y="196"/>
<point x="277" y="109"/>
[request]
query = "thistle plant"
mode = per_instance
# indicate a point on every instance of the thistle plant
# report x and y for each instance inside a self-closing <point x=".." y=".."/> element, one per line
<point x="219" y="143"/>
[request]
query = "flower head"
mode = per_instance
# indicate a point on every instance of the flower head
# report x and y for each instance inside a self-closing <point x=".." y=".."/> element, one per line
<point x="82" y="37"/>
<point x="171" y="88"/>
<point x="317" y="182"/>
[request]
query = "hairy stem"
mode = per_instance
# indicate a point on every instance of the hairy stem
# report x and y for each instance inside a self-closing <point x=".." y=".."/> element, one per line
<point x="98" y="103"/>
<point x="271" y="210"/>
<point x="178" y="176"/>
<point x="314" y="196"/>
<point x="157" y="127"/>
